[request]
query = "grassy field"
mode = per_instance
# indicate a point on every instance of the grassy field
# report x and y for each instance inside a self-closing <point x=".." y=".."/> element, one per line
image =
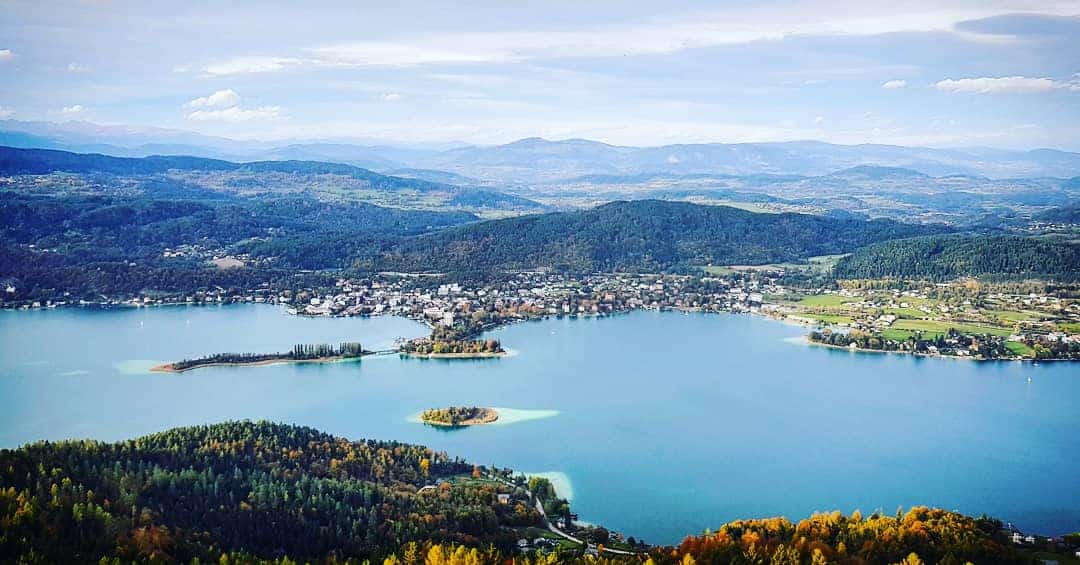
<point x="1020" y="348"/>
<point x="1069" y="327"/>
<point x="898" y="335"/>
<point x="827" y="318"/>
<point x="1013" y="316"/>
<point x="906" y="312"/>
<point x="934" y="328"/>
<point x="824" y="301"/>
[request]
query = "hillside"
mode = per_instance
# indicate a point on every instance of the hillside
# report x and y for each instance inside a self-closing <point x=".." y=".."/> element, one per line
<point x="165" y="239"/>
<point x="641" y="235"/>
<point x="952" y="256"/>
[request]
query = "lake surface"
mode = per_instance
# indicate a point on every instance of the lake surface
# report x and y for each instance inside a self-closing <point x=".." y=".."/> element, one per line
<point x="661" y="424"/>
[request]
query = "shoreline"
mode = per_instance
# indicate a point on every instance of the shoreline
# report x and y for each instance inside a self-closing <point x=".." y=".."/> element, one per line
<point x="776" y="317"/>
<point x="169" y="367"/>
<point x="486" y="416"/>
<point x="807" y="341"/>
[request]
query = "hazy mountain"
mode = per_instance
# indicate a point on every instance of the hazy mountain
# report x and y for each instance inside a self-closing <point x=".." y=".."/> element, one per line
<point x="537" y="159"/>
<point x="43" y="161"/>
<point x="127" y="141"/>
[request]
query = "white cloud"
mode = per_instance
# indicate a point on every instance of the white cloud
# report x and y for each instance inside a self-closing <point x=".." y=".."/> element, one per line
<point x="390" y="96"/>
<point x="1004" y="85"/>
<point x="72" y="110"/>
<point x="78" y="68"/>
<point x="732" y="25"/>
<point x="371" y="53"/>
<point x="6" y="55"/>
<point x="894" y="84"/>
<point x="819" y="119"/>
<point x="219" y="99"/>
<point x="245" y="65"/>
<point x="236" y="114"/>
<point x="6" y="112"/>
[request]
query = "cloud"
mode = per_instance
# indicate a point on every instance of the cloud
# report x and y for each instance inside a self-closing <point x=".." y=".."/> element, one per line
<point x="78" y="68"/>
<point x="1004" y="85"/>
<point x="236" y="114"/>
<point x="654" y="36"/>
<point x="224" y="106"/>
<point x="819" y="119"/>
<point x="246" y="65"/>
<point x="72" y="110"/>
<point x="390" y="97"/>
<point x="6" y="112"/>
<point x="894" y="84"/>
<point x="6" y="55"/>
<point x="372" y="53"/>
<point x="219" y="99"/>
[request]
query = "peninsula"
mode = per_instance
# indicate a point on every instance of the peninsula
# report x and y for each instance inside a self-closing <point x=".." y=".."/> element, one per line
<point x="300" y="353"/>
<point x="456" y="416"/>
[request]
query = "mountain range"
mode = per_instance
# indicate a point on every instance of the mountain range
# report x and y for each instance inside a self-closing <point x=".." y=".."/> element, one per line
<point x="535" y="160"/>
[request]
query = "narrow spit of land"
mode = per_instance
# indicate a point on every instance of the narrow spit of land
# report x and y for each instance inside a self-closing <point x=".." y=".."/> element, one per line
<point x="301" y="353"/>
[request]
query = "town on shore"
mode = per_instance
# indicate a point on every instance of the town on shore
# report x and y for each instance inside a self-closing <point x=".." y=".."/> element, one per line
<point x="964" y="318"/>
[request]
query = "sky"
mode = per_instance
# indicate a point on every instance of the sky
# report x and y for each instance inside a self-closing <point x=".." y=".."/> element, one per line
<point x="959" y="73"/>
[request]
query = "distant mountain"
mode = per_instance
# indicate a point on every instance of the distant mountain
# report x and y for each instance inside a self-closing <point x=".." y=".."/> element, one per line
<point x="640" y="235"/>
<point x="538" y="159"/>
<point x="43" y="161"/>
<point x="126" y="141"/>
<point x="535" y="160"/>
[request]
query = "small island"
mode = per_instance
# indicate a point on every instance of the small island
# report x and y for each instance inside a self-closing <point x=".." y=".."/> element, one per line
<point x="453" y="349"/>
<point x="457" y="416"/>
<point x="300" y="353"/>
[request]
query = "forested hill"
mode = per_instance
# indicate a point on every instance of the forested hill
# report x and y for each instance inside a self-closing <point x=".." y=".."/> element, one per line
<point x="641" y="235"/>
<point x="265" y="489"/>
<point x="1068" y="214"/>
<point x="951" y="256"/>
<point x="15" y="161"/>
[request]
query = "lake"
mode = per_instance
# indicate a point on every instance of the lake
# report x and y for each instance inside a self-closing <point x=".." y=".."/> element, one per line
<point x="658" y="424"/>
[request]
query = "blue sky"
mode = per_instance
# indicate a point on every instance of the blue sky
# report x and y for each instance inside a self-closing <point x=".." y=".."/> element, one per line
<point x="1003" y="74"/>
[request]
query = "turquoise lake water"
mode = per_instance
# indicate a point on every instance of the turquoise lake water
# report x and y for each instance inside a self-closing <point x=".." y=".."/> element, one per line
<point x="660" y="424"/>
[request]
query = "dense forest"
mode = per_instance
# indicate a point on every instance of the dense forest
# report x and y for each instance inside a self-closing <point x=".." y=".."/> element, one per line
<point x="946" y="257"/>
<point x="642" y="235"/>
<point x="248" y="492"/>
<point x="266" y="490"/>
